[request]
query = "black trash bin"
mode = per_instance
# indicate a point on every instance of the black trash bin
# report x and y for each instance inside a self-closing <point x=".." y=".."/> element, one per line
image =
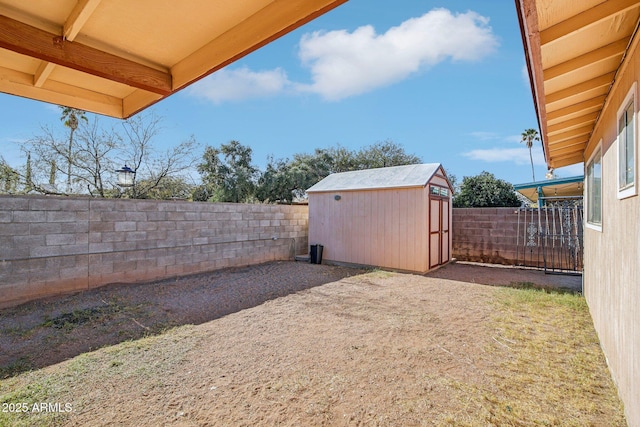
<point x="315" y="254"/>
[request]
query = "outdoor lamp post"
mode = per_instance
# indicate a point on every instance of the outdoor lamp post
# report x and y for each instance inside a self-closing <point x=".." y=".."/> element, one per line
<point x="125" y="176"/>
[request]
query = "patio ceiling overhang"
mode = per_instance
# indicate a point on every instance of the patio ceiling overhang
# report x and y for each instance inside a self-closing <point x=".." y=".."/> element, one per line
<point x="117" y="57"/>
<point x="574" y="49"/>
<point x="559" y="187"/>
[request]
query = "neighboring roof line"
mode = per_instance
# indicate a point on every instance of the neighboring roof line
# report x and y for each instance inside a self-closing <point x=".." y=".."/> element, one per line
<point x="549" y="182"/>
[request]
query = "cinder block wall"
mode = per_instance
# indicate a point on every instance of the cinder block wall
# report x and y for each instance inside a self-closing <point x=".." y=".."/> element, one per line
<point x="51" y="245"/>
<point x="485" y="235"/>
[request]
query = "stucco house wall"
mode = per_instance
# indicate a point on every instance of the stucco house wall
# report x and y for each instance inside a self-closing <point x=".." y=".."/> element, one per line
<point x="612" y="254"/>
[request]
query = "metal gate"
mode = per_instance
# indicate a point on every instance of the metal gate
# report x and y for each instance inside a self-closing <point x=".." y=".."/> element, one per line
<point x="550" y="237"/>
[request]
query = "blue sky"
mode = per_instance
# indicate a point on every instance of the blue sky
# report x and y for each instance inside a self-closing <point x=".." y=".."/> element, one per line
<point x="446" y="80"/>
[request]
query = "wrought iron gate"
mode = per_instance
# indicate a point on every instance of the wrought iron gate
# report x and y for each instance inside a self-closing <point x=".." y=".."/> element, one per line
<point x="550" y="237"/>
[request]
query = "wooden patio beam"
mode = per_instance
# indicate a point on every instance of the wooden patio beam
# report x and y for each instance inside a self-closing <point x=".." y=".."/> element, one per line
<point x="76" y="20"/>
<point x="27" y="40"/>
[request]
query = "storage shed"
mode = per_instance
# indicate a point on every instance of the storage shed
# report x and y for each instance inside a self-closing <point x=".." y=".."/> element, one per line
<point x="397" y="218"/>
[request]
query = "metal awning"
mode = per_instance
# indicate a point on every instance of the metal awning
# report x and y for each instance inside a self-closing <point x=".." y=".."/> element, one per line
<point x="117" y="57"/>
<point x="574" y="49"/>
<point x="548" y="189"/>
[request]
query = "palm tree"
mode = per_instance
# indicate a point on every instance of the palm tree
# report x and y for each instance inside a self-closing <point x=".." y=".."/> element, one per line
<point x="528" y="136"/>
<point x="70" y="118"/>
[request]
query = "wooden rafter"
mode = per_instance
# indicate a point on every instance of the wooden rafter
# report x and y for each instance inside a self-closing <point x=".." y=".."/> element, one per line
<point x="31" y="41"/>
<point x="42" y="73"/>
<point x="585" y="19"/>
<point x="255" y="28"/>
<point x="602" y="82"/>
<point x="573" y="123"/>
<point x="615" y="49"/>
<point x="573" y="63"/>
<point x="78" y="17"/>
<point x="76" y="20"/>
<point x="579" y="132"/>
<point x="567" y="159"/>
<point x="569" y="148"/>
<point x="98" y="56"/>
<point x="581" y="107"/>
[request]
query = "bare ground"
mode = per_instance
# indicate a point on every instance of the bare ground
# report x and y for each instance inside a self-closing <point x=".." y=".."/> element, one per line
<point x="299" y="344"/>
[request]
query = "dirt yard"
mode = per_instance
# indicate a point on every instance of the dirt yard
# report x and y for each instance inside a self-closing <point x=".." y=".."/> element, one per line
<point x="298" y="344"/>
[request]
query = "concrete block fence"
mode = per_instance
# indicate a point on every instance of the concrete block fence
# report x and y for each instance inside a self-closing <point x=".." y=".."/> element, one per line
<point x="486" y="235"/>
<point x="52" y="245"/>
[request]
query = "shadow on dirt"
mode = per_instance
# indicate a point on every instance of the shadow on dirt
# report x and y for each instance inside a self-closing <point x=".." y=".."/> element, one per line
<point x="45" y="332"/>
<point x="500" y="275"/>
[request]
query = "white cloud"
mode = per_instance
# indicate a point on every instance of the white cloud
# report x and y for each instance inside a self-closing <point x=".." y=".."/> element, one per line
<point x="240" y="84"/>
<point x="518" y="155"/>
<point x="344" y="64"/>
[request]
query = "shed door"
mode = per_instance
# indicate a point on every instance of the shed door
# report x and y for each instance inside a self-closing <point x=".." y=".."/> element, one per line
<point x="444" y="241"/>
<point x="438" y="226"/>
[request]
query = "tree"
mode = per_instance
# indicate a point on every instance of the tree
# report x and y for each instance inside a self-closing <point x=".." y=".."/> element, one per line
<point x="9" y="178"/>
<point x="228" y="174"/>
<point x="93" y="158"/>
<point x="52" y="173"/>
<point x="85" y="161"/>
<point x="88" y="158"/>
<point x="485" y="190"/>
<point x="152" y="167"/>
<point x="275" y="183"/>
<point x="285" y="180"/>
<point x="70" y="117"/>
<point x="28" y="174"/>
<point x="528" y="136"/>
<point x="170" y="188"/>
<point x="384" y="154"/>
<point x="338" y="159"/>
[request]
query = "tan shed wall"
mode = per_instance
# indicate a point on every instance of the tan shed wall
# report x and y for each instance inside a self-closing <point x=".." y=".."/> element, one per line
<point x="385" y="228"/>
<point x="612" y="257"/>
<point x="439" y="180"/>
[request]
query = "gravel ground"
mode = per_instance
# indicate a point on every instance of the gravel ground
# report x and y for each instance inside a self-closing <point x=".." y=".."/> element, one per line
<point x="47" y="331"/>
<point x="295" y="344"/>
<point x="44" y="332"/>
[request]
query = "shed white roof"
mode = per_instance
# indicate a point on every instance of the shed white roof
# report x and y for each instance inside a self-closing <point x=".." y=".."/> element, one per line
<point x="369" y="179"/>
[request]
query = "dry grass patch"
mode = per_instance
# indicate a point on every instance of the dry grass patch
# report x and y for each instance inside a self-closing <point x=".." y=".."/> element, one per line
<point x="379" y="349"/>
<point x="552" y="371"/>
